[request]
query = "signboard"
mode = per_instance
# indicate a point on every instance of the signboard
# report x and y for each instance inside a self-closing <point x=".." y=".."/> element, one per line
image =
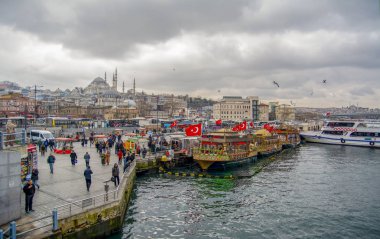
<point x="87" y="202"/>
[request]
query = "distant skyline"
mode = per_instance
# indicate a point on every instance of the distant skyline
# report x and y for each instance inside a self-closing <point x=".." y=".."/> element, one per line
<point x="200" y="48"/>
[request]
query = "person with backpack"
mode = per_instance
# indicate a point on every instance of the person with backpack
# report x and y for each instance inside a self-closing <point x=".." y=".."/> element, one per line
<point x="51" y="161"/>
<point x="87" y="176"/>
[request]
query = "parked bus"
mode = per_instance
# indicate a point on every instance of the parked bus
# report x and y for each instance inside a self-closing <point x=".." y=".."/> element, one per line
<point x="123" y="123"/>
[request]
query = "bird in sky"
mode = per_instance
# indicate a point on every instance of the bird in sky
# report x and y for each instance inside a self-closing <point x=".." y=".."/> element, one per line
<point x="324" y="81"/>
<point x="275" y="83"/>
<point x="292" y="103"/>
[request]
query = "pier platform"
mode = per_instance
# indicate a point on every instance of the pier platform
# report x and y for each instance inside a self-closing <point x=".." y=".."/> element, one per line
<point x="65" y="190"/>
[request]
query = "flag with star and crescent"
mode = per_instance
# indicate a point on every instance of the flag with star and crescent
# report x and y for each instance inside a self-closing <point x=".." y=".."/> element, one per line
<point x="194" y="130"/>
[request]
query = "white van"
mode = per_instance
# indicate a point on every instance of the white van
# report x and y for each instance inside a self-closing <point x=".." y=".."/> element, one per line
<point x="37" y="135"/>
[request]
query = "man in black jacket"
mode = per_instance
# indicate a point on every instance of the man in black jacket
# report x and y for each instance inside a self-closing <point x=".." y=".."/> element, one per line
<point x="73" y="157"/>
<point x="29" y="190"/>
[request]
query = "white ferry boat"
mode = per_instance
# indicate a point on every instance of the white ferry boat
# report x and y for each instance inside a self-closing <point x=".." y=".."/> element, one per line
<point x="353" y="133"/>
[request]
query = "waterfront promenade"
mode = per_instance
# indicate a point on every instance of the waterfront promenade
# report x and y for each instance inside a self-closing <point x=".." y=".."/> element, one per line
<point x="67" y="184"/>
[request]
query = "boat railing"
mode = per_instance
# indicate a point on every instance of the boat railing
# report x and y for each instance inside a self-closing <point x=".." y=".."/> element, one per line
<point x="231" y="154"/>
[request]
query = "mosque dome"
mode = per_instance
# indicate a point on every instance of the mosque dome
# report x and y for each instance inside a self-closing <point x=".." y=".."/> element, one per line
<point x="129" y="103"/>
<point x="98" y="85"/>
<point x="98" y="80"/>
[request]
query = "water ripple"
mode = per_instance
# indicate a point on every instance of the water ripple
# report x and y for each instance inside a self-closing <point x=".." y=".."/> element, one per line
<point x="316" y="191"/>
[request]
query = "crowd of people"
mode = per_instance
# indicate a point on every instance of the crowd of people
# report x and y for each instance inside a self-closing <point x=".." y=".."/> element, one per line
<point x="103" y="147"/>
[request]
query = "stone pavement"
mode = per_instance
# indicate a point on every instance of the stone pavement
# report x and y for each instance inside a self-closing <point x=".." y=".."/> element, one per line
<point x="67" y="184"/>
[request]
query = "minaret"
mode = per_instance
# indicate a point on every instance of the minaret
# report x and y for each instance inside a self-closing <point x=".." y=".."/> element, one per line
<point x="105" y="76"/>
<point x="114" y="81"/>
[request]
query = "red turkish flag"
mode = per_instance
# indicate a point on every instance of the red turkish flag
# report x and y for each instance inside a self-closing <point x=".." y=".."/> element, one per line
<point x="194" y="130"/>
<point x="268" y="127"/>
<point x="174" y="124"/>
<point x="218" y="122"/>
<point x="240" y="127"/>
<point x="251" y="124"/>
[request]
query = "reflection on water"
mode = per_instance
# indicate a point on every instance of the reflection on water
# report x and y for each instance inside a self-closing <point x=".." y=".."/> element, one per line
<point x="315" y="191"/>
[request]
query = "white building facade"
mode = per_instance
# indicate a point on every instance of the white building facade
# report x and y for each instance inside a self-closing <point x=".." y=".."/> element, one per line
<point x="236" y="108"/>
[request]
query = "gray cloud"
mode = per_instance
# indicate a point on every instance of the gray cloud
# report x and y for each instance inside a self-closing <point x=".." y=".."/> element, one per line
<point x="239" y="47"/>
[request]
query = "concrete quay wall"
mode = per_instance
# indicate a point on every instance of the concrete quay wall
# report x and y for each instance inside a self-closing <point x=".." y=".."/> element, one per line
<point x="101" y="221"/>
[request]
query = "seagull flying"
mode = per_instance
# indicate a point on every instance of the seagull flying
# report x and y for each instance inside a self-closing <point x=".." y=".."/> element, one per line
<point x="324" y="81"/>
<point x="275" y="83"/>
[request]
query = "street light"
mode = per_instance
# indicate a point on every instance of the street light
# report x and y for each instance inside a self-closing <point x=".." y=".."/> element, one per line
<point x="35" y="101"/>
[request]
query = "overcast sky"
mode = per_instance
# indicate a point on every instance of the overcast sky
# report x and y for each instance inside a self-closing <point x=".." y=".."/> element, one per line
<point x="199" y="47"/>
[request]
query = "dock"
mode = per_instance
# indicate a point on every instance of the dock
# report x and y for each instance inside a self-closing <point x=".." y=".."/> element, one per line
<point x="96" y="213"/>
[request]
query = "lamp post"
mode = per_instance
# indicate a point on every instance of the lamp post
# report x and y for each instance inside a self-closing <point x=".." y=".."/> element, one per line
<point x="35" y="102"/>
<point x="157" y="115"/>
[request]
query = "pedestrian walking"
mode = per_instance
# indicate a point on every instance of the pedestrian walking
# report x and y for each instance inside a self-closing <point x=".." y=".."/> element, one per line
<point x="73" y="157"/>
<point x="87" y="176"/>
<point x="29" y="190"/>
<point x="108" y="156"/>
<point x="115" y="174"/>
<point x="46" y="143"/>
<point x="120" y="155"/>
<point x="91" y="140"/>
<point x="43" y="149"/>
<point x="51" y="145"/>
<point x="133" y="156"/>
<point x="127" y="159"/>
<point x="144" y="152"/>
<point x="51" y="161"/>
<point x="87" y="159"/>
<point x="35" y="177"/>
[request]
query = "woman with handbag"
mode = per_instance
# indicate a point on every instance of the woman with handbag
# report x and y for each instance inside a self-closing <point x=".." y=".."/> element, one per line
<point x="115" y="174"/>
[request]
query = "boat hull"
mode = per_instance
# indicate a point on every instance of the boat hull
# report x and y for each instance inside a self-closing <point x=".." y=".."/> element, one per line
<point x="267" y="153"/>
<point x="221" y="166"/>
<point x="317" y="137"/>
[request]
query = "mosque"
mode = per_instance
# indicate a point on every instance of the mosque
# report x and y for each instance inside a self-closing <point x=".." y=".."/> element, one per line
<point x="106" y="95"/>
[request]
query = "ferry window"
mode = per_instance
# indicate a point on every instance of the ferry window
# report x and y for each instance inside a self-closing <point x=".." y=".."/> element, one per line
<point x="333" y="132"/>
<point x="340" y="124"/>
<point x="365" y="134"/>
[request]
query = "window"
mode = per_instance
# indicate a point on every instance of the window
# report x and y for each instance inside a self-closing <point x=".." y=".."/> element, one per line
<point x="333" y="132"/>
<point x="365" y="134"/>
<point x="340" y="124"/>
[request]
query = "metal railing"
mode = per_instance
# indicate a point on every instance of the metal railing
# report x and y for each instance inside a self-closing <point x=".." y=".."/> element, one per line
<point x="12" y="139"/>
<point x="72" y="208"/>
<point x="69" y="209"/>
<point x="12" y="233"/>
